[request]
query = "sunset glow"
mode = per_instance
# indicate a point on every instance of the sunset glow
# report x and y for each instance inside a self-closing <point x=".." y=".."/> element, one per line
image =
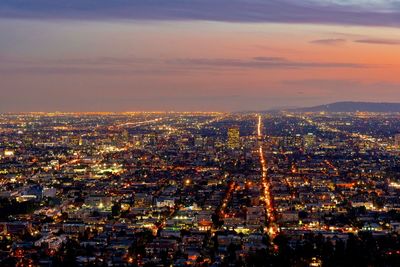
<point x="164" y="60"/>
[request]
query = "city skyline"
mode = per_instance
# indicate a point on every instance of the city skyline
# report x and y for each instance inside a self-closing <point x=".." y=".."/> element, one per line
<point x="200" y="189"/>
<point x="200" y="133"/>
<point x="206" y="55"/>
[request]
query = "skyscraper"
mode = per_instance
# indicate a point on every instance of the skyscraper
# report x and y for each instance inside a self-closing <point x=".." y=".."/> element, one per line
<point x="233" y="137"/>
<point x="298" y="140"/>
<point x="125" y="135"/>
<point x="309" y="140"/>
<point x="397" y="141"/>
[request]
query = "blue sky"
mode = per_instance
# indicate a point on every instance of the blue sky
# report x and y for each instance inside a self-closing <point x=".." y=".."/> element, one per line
<point x="360" y="12"/>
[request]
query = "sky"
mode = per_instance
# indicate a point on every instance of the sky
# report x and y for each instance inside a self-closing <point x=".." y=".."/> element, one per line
<point x="196" y="55"/>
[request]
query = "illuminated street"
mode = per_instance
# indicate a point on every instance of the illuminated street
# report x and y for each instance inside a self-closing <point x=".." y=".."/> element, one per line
<point x="272" y="228"/>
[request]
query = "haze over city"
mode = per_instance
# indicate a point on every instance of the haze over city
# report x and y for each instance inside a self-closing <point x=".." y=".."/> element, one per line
<point x="196" y="55"/>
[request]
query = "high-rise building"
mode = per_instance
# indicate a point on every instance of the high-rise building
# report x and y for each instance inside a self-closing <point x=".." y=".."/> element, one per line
<point x="397" y="141"/>
<point x="233" y="137"/>
<point x="298" y="140"/>
<point x="198" y="141"/>
<point x="125" y="135"/>
<point x="309" y="140"/>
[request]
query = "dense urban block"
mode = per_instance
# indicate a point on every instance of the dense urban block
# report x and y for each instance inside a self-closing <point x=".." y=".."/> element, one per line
<point x="200" y="189"/>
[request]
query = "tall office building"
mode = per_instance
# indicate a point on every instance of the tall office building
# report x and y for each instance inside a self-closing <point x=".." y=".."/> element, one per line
<point x="125" y="135"/>
<point x="397" y="141"/>
<point x="233" y="137"/>
<point x="309" y="140"/>
<point x="298" y="140"/>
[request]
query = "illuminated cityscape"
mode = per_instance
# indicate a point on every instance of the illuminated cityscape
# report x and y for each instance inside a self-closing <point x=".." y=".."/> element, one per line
<point x="149" y="189"/>
<point x="233" y="137"/>
<point x="199" y="133"/>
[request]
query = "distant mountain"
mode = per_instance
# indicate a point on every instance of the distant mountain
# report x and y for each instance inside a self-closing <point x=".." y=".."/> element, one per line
<point x="352" y="107"/>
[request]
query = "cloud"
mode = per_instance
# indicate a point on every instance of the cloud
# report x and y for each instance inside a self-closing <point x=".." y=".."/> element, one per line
<point x="379" y="41"/>
<point x="151" y="66"/>
<point x="379" y="5"/>
<point x="323" y="83"/>
<point x="332" y="42"/>
<point x="80" y="70"/>
<point x="385" y="13"/>
<point x="105" y="61"/>
<point x="105" y="65"/>
<point x="259" y="63"/>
